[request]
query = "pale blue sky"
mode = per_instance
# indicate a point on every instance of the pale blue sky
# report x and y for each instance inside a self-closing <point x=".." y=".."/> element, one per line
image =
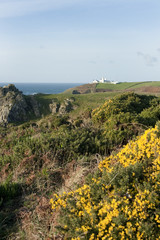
<point x="79" y="40"/>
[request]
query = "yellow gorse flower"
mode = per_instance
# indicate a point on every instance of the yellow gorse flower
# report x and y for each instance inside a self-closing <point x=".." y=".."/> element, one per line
<point x="116" y="216"/>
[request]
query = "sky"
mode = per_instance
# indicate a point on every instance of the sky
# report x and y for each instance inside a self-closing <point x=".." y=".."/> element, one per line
<point x="79" y="40"/>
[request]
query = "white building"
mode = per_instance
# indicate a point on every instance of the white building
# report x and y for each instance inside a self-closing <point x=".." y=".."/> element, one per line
<point x="114" y="82"/>
<point x="95" y="81"/>
<point x="104" y="80"/>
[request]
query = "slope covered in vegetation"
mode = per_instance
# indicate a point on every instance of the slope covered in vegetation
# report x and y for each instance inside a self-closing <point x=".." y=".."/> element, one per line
<point x="125" y="116"/>
<point x="122" y="200"/>
<point x="45" y="156"/>
<point x="150" y="87"/>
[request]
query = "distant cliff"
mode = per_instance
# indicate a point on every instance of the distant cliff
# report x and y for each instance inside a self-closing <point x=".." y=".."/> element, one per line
<point x="15" y="107"/>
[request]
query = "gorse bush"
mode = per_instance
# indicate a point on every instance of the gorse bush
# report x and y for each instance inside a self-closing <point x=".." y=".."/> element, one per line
<point x="127" y="103"/>
<point x="126" y="116"/>
<point x="150" y="116"/>
<point x="121" y="201"/>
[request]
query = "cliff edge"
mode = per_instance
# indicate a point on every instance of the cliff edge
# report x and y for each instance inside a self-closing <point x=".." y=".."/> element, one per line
<point x="15" y="107"/>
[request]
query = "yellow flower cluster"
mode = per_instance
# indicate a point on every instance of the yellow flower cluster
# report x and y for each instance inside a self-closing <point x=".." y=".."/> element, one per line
<point x="147" y="146"/>
<point x="99" y="114"/>
<point x="100" y="210"/>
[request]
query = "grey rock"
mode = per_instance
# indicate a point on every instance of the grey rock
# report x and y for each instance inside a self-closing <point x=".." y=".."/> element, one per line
<point x="75" y="92"/>
<point x="15" y="107"/>
<point x="63" y="108"/>
<point x="54" y="107"/>
<point x="35" y="106"/>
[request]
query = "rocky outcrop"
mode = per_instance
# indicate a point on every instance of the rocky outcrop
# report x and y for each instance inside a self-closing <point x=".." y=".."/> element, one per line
<point x="75" y="92"/>
<point x="15" y="107"/>
<point x="62" y="108"/>
<point x="66" y="106"/>
<point x="54" y="107"/>
<point x="34" y="105"/>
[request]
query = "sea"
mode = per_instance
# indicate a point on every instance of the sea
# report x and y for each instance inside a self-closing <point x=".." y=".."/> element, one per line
<point x="46" y="88"/>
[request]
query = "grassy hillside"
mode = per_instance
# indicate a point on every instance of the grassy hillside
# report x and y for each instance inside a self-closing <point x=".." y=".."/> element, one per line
<point x="93" y="99"/>
<point x="149" y="87"/>
<point x="127" y="85"/>
<point x="82" y="101"/>
<point x="119" y="86"/>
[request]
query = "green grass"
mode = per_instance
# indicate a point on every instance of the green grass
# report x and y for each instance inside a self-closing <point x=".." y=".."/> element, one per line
<point x="147" y="84"/>
<point x="82" y="101"/>
<point x="91" y="100"/>
<point x="127" y="85"/>
<point x="120" y="86"/>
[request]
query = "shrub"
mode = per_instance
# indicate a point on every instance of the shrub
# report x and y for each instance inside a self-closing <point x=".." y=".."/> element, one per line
<point x="121" y="201"/>
<point x="9" y="190"/>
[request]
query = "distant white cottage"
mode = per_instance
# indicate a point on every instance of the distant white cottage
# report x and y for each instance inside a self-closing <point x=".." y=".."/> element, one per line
<point x="104" y="80"/>
<point x="95" y="81"/>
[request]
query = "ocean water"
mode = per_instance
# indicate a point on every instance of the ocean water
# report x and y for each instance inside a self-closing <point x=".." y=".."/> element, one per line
<point x="47" y="88"/>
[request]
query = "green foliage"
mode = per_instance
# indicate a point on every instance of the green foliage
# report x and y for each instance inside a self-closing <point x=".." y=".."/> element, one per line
<point x="125" y="116"/>
<point x="150" y="116"/>
<point x="35" y="154"/>
<point x="127" y="103"/>
<point x="121" y="201"/>
<point x="9" y="190"/>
